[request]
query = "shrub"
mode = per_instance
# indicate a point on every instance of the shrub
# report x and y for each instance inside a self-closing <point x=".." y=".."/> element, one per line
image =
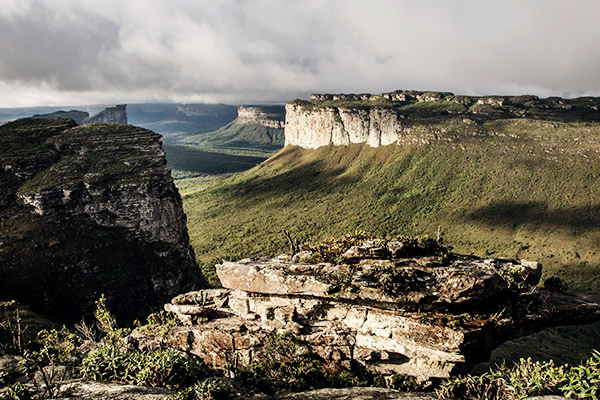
<point x="160" y="323"/>
<point x="527" y="378"/>
<point x="49" y="356"/>
<point x="168" y="368"/>
<point x="584" y="380"/>
<point x="483" y="387"/>
<point x="11" y="328"/>
<point x="209" y="389"/>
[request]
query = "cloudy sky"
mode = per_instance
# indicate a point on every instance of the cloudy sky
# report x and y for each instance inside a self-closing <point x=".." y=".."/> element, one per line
<point x="65" y="52"/>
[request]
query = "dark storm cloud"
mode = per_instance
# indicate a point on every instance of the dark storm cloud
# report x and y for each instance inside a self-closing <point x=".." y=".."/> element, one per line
<point x="67" y="51"/>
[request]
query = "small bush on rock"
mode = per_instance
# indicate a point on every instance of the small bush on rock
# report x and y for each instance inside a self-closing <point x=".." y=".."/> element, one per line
<point x="528" y="378"/>
<point x="209" y="389"/>
<point x="168" y="368"/>
<point x="584" y="380"/>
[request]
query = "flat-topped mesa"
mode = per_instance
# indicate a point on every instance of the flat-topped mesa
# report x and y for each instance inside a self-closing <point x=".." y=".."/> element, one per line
<point x="269" y="116"/>
<point x="413" y="117"/>
<point x="383" y="308"/>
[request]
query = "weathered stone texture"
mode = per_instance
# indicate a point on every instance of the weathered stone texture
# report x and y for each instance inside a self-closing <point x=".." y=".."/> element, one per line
<point x="414" y="118"/>
<point x="269" y="116"/>
<point x="440" y="319"/>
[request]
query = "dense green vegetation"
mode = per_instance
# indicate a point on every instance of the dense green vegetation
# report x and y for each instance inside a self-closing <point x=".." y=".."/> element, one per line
<point x="527" y="378"/>
<point x="526" y="189"/>
<point x="519" y="188"/>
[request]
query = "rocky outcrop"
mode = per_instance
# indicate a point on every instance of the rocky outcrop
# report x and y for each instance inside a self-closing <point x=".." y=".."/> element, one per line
<point x="75" y="115"/>
<point x="113" y="115"/>
<point x="411" y="117"/>
<point x="268" y="116"/>
<point x="382" y="308"/>
<point x="90" y="210"/>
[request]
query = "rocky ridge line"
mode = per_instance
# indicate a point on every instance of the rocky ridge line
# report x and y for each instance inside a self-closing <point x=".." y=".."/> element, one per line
<point x="113" y="115"/>
<point x="414" y="118"/>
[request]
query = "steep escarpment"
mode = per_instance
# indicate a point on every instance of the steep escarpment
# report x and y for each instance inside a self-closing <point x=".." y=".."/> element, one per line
<point x="87" y="210"/>
<point x="269" y="116"/>
<point x="411" y="117"/>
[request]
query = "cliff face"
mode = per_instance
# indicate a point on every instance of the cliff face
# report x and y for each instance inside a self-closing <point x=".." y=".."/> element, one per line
<point x="410" y="117"/>
<point x="88" y="210"/>
<point x="114" y="115"/>
<point x="269" y="116"/>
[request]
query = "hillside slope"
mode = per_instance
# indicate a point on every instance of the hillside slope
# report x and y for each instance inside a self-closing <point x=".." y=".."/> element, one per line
<point x="520" y="188"/>
<point x="257" y="128"/>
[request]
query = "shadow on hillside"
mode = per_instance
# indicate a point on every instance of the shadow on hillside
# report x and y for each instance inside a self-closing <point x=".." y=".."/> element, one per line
<point x="196" y="161"/>
<point x="537" y="214"/>
<point x="297" y="184"/>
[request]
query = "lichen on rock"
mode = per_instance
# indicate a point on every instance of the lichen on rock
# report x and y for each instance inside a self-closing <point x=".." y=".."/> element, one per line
<point x="397" y="313"/>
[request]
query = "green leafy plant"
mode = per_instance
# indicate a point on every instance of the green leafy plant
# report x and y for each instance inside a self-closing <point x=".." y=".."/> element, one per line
<point x="50" y="358"/>
<point x="584" y="380"/>
<point x="106" y="322"/>
<point x="167" y="367"/>
<point x="527" y="378"/>
<point x="484" y="387"/>
<point x="209" y="389"/>
<point x="160" y="323"/>
<point x="514" y="276"/>
<point x="331" y="249"/>
<point x="11" y="328"/>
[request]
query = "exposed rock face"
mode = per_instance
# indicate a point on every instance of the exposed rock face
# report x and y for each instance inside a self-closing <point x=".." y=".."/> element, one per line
<point x="412" y="316"/>
<point x="411" y="117"/>
<point x="114" y="115"/>
<point x="269" y="116"/>
<point x="88" y="210"/>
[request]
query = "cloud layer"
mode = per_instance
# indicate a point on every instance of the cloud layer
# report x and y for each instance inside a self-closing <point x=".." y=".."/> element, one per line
<point x="106" y="51"/>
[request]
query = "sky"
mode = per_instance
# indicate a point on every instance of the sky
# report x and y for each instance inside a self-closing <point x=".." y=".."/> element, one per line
<point x="65" y="52"/>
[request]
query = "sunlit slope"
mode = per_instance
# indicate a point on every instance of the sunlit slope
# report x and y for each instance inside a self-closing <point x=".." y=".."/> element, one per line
<point x="519" y="189"/>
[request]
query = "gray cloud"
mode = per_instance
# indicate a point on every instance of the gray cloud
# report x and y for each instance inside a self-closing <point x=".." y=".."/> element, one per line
<point x="73" y="51"/>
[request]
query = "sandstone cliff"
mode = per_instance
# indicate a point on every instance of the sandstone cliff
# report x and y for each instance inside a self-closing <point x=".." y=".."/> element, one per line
<point x="411" y="117"/>
<point x="86" y="210"/>
<point x="269" y="116"/>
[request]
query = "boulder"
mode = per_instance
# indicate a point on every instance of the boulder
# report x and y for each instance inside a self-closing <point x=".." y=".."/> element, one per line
<point x="421" y="316"/>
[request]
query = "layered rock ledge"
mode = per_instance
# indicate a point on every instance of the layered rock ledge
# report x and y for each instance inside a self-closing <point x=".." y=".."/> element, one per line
<point x="393" y="314"/>
<point x="409" y="117"/>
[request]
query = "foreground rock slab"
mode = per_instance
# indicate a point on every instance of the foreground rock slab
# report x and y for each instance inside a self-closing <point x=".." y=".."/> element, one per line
<point x="357" y="393"/>
<point x="393" y="315"/>
<point x="100" y="390"/>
